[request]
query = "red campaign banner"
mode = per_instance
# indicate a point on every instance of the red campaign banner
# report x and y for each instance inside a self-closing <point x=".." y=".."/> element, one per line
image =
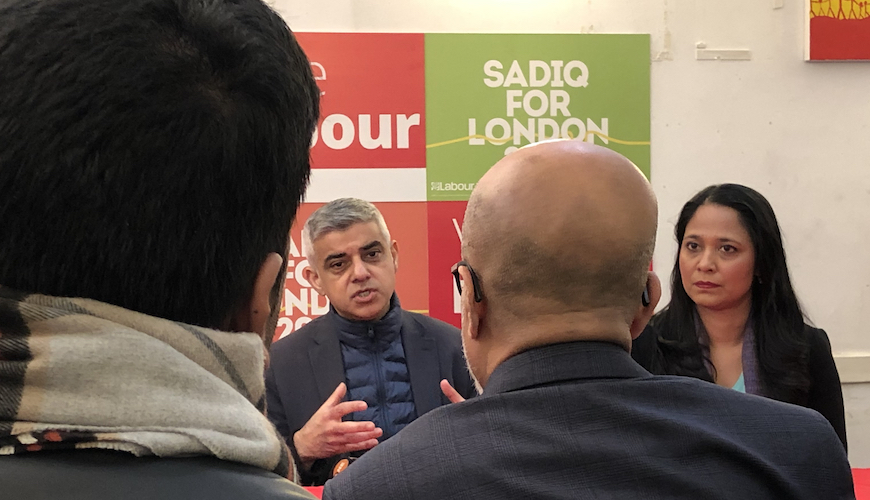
<point x="407" y="224"/>
<point x="445" y="225"/>
<point x="372" y="99"/>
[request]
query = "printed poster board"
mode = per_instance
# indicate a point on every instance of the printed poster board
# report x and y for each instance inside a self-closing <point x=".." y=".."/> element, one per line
<point x="412" y="121"/>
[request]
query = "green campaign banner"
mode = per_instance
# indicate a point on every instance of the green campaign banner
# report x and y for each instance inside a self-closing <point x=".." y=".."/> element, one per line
<point x="488" y="94"/>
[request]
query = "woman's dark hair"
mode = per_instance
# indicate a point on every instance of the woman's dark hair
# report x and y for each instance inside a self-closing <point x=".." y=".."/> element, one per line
<point x="776" y="315"/>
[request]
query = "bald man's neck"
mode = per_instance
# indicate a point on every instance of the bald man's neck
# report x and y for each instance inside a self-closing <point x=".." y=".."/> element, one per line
<point x="516" y="334"/>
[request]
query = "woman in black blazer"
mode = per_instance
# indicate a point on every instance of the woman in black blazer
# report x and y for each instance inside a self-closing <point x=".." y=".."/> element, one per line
<point x="733" y="318"/>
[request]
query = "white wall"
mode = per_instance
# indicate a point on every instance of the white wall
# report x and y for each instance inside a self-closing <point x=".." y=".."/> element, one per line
<point x="798" y="132"/>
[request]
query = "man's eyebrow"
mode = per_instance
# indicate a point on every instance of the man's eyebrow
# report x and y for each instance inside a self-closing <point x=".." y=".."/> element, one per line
<point x="371" y="245"/>
<point x="334" y="256"/>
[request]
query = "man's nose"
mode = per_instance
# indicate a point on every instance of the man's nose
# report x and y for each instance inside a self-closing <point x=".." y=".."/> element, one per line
<point x="360" y="270"/>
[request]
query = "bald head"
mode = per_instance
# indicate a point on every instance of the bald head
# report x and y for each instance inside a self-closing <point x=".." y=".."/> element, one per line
<point x="561" y="226"/>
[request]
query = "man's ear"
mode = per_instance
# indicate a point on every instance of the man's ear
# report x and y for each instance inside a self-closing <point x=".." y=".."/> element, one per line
<point x="473" y="313"/>
<point x="645" y="311"/>
<point x="313" y="278"/>
<point x="253" y="316"/>
<point x="394" y="251"/>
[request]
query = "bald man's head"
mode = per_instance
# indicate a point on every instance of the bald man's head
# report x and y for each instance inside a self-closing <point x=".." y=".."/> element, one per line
<point x="561" y="226"/>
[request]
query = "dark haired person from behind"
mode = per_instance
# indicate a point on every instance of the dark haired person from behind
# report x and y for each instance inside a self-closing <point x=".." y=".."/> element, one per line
<point x="153" y="154"/>
<point x="734" y="318"/>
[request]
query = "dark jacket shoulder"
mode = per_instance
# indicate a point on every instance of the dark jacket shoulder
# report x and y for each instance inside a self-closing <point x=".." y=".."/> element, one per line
<point x="110" y="475"/>
<point x="826" y="393"/>
<point x="432" y="325"/>
<point x="312" y="329"/>
<point x="739" y="436"/>
<point x="451" y="358"/>
<point x="303" y="336"/>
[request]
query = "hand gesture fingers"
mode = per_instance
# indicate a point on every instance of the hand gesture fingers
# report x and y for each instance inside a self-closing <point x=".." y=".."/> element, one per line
<point x="326" y="435"/>
<point x="450" y="392"/>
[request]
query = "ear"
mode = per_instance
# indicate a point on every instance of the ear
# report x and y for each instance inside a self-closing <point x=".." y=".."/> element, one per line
<point x="253" y="316"/>
<point x="645" y="311"/>
<point x="313" y="277"/>
<point x="473" y="313"/>
<point x="394" y="251"/>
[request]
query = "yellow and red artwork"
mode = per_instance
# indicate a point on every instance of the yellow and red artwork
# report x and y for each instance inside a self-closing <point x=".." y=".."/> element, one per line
<point x="838" y="30"/>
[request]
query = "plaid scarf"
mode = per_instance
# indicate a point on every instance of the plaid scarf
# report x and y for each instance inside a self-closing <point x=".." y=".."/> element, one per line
<point x="77" y="373"/>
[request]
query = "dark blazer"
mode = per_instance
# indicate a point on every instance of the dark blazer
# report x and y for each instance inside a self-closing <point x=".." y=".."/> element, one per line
<point x="116" y="475"/>
<point x="306" y="367"/>
<point x="583" y="420"/>
<point x="826" y="393"/>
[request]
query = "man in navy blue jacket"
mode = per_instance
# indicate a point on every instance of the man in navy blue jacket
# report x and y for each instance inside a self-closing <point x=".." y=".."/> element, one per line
<point x="556" y="242"/>
<point x="387" y="362"/>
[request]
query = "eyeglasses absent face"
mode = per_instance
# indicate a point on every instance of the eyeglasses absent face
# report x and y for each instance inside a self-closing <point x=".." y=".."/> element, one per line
<point x="356" y="269"/>
<point x="717" y="259"/>
<point x="478" y="296"/>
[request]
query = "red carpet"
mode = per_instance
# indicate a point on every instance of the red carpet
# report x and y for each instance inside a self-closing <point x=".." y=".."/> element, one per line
<point x="862" y="483"/>
<point x="315" y="490"/>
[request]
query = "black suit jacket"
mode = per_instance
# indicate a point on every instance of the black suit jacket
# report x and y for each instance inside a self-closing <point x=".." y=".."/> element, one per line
<point x="826" y="393"/>
<point x="306" y="367"/>
<point x="117" y="475"/>
<point x="583" y="420"/>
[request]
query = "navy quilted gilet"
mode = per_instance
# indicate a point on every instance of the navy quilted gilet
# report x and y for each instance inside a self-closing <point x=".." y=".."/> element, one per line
<point x="376" y="371"/>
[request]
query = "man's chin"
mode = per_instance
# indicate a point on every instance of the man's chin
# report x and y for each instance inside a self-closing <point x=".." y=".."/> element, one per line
<point x="371" y="312"/>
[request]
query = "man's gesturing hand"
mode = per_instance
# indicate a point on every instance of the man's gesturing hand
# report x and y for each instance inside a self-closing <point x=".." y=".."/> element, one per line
<point x="326" y="435"/>
<point x="450" y="392"/>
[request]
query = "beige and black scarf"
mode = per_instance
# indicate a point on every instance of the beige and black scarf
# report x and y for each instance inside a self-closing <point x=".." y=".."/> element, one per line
<point x="76" y="373"/>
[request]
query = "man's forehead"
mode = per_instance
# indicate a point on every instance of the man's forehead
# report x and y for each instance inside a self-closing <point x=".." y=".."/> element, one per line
<point x="355" y="237"/>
